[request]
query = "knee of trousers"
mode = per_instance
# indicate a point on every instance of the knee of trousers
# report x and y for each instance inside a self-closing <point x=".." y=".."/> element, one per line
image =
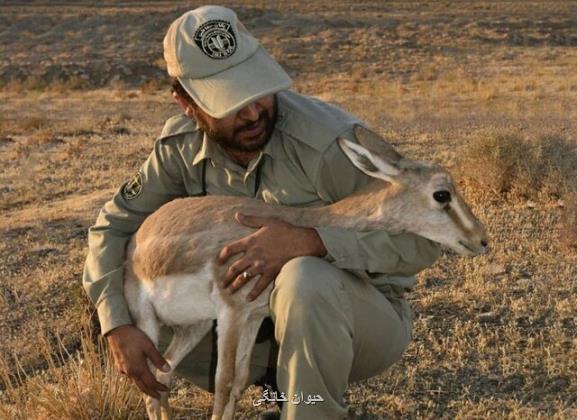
<point x="304" y="286"/>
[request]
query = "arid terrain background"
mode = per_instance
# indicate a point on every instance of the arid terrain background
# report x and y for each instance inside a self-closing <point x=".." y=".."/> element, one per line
<point x="486" y="88"/>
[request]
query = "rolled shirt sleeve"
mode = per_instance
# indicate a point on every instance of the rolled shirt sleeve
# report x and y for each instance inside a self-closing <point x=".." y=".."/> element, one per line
<point x="373" y="252"/>
<point x="157" y="182"/>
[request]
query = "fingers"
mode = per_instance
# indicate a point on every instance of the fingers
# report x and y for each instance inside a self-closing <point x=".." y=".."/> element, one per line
<point x="253" y="270"/>
<point x="131" y="350"/>
<point x="233" y="248"/>
<point x="243" y="244"/>
<point x="144" y="379"/>
<point x="156" y="358"/>
<point x="253" y="221"/>
<point x="148" y="384"/>
<point x="260" y="286"/>
<point x="236" y="269"/>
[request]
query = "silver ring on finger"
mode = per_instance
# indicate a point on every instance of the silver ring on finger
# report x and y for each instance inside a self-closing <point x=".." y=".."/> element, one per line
<point x="246" y="275"/>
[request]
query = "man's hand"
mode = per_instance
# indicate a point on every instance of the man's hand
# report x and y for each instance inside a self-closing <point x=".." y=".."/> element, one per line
<point x="266" y="251"/>
<point x="131" y="349"/>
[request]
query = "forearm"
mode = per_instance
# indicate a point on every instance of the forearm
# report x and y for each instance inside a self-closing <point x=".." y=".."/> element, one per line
<point x="104" y="270"/>
<point x="158" y="182"/>
<point x="404" y="254"/>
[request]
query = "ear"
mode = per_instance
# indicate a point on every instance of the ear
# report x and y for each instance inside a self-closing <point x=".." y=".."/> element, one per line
<point x="368" y="162"/>
<point x="376" y="144"/>
<point x="186" y="107"/>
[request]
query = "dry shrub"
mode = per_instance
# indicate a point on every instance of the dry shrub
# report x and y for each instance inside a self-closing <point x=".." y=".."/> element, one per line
<point x="493" y="160"/>
<point x="556" y="163"/>
<point x="507" y="164"/>
<point x="78" y="386"/>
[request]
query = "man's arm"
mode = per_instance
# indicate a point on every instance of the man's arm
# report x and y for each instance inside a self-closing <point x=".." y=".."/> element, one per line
<point x="403" y="254"/>
<point x="156" y="183"/>
<point x="275" y="242"/>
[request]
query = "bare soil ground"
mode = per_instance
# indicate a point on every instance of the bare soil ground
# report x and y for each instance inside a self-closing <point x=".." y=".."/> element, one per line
<point x="83" y="95"/>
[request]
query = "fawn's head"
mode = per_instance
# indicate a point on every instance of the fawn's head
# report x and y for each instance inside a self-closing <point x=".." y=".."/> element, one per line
<point x="424" y="201"/>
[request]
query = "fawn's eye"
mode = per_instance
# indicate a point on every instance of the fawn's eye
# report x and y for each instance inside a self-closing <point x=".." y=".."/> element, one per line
<point x="442" y="196"/>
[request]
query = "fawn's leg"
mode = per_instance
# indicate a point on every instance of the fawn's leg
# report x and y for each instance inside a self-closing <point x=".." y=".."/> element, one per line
<point x="183" y="341"/>
<point x="146" y="321"/>
<point x="242" y="362"/>
<point x="230" y="323"/>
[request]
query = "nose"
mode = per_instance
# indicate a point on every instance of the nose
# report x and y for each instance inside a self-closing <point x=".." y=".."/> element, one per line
<point x="250" y="112"/>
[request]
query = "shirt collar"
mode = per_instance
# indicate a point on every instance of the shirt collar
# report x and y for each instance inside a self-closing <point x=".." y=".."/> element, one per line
<point x="208" y="150"/>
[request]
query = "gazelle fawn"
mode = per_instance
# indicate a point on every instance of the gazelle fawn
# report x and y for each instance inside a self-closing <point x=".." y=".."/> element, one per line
<point x="172" y="278"/>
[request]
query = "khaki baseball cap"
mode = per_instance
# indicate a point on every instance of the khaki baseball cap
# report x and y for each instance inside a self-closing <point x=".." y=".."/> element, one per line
<point x="219" y="63"/>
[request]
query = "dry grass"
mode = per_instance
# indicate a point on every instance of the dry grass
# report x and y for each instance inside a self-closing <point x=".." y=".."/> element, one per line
<point x="81" y="385"/>
<point x="490" y="85"/>
<point x="507" y="163"/>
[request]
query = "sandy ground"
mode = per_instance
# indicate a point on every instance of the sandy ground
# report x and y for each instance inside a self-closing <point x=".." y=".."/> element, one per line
<point x="83" y="95"/>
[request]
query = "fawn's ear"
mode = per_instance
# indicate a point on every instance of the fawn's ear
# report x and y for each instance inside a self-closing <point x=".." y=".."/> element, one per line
<point x="368" y="162"/>
<point x="376" y="144"/>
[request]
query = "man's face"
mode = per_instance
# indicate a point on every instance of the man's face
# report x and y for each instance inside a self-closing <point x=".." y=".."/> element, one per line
<point x="249" y="130"/>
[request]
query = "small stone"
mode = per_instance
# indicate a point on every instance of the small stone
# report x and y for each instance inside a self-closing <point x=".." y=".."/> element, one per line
<point x="560" y="203"/>
<point x="531" y="204"/>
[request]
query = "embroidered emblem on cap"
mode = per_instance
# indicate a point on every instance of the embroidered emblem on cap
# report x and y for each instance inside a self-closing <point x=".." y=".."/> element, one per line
<point x="216" y="39"/>
<point x="132" y="188"/>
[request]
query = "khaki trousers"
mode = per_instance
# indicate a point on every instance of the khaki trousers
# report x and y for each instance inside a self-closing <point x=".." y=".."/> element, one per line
<point x="333" y="328"/>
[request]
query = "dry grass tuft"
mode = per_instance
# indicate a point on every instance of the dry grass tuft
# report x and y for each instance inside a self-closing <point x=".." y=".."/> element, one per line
<point x="509" y="164"/>
<point x="556" y="161"/>
<point x="495" y="160"/>
<point x="81" y="385"/>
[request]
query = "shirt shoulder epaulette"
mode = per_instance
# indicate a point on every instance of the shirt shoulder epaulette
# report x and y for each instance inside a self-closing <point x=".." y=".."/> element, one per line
<point x="311" y="121"/>
<point x="178" y="124"/>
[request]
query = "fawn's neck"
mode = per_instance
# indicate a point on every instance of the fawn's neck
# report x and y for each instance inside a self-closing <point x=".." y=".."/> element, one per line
<point x="372" y="207"/>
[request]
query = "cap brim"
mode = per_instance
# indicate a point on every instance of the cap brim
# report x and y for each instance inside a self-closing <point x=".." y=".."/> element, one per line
<point x="224" y="93"/>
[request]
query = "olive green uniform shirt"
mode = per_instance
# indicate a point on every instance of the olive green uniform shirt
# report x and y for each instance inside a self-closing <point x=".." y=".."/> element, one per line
<point x="302" y="165"/>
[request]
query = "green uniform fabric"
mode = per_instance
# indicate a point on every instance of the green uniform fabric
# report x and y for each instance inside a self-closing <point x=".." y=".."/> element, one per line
<point x="302" y="165"/>
<point x="333" y="328"/>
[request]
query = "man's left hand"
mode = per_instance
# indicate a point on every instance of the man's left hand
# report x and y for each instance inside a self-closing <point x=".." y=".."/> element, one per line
<point x="266" y="251"/>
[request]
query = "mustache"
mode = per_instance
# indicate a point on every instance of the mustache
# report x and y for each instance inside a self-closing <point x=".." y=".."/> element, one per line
<point x="262" y="116"/>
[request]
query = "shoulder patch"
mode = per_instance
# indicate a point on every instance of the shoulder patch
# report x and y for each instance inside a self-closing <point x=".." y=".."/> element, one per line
<point x="132" y="188"/>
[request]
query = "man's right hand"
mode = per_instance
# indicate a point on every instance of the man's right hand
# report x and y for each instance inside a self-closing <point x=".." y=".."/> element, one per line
<point x="131" y="349"/>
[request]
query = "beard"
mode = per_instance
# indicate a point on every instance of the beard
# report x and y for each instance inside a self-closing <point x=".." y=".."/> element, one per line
<point x="238" y="141"/>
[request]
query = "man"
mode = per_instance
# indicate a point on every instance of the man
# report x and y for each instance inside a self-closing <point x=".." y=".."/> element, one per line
<point x="337" y="304"/>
